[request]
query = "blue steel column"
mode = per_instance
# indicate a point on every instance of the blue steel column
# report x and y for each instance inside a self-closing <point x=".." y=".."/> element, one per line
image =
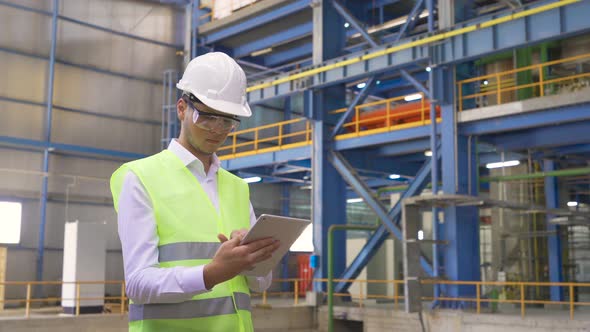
<point x="553" y="241"/>
<point x="461" y="224"/>
<point x="434" y="149"/>
<point x="49" y="116"/>
<point x="328" y="187"/>
<point x="285" y="212"/>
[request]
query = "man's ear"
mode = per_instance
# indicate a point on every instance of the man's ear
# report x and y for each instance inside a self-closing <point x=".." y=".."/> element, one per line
<point x="181" y="109"/>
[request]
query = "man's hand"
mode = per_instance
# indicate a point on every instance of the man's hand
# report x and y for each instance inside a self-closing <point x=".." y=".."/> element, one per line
<point x="232" y="258"/>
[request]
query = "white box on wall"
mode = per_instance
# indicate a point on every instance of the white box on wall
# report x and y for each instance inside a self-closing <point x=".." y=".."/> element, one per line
<point x="84" y="260"/>
<point x="223" y="8"/>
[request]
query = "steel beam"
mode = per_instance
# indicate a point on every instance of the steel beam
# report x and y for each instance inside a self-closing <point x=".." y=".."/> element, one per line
<point x="479" y="37"/>
<point x="280" y="57"/>
<point x="381" y="234"/>
<point x="416" y="84"/>
<point x="461" y="224"/>
<point x="383" y="138"/>
<point x="554" y="246"/>
<point x="293" y="33"/>
<point x="550" y="136"/>
<point x="47" y="138"/>
<point x="354" y="22"/>
<point x="528" y="120"/>
<point x="69" y="148"/>
<point x="410" y="21"/>
<point x="353" y="179"/>
<point x="403" y="148"/>
<point x="89" y="113"/>
<point x="359" y="98"/>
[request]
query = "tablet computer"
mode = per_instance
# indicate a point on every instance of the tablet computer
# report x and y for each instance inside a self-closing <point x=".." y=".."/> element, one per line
<point x="284" y="229"/>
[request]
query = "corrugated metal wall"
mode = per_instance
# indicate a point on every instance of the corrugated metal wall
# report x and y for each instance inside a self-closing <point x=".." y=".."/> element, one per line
<point x="108" y="95"/>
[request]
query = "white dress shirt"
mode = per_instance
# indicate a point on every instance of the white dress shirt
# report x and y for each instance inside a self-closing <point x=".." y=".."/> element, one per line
<point x="146" y="282"/>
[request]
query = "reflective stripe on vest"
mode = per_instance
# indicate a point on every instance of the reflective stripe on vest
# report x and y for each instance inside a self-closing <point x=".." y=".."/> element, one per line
<point x="187" y="250"/>
<point x="190" y="309"/>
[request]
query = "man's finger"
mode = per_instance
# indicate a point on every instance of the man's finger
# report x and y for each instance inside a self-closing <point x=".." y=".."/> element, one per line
<point x="222" y="238"/>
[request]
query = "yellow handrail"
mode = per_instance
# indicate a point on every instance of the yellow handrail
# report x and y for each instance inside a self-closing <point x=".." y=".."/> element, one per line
<point x="77" y="298"/>
<point x="364" y="122"/>
<point x="361" y="297"/>
<point x="497" y="84"/>
<point x="478" y="299"/>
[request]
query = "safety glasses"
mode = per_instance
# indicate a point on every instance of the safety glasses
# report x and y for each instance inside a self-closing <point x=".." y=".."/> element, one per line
<point x="213" y="122"/>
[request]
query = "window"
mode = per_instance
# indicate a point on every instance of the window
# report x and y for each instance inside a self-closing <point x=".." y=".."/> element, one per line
<point x="10" y="220"/>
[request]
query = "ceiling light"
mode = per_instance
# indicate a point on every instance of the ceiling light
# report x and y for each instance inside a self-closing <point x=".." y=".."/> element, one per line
<point x="346" y="25"/>
<point x="428" y="69"/>
<point x="253" y="179"/>
<point x="572" y="204"/>
<point x="361" y="85"/>
<point x="486" y="82"/>
<point x="428" y="153"/>
<point x="378" y="82"/>
<point x="503" y="164"/>
<point x="420" y="235"/>
<point x="394" y="176"/>
<point x="354" y="200"/>
<point x="261" y="52"/>
<point x="415" y="96"/>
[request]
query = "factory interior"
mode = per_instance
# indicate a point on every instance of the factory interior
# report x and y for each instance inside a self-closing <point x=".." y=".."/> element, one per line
<point x="440" y="149"/>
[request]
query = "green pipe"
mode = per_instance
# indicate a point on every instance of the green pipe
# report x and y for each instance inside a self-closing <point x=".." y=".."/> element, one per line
<point x="559" y="173"/>
<point x="331" y="230"/>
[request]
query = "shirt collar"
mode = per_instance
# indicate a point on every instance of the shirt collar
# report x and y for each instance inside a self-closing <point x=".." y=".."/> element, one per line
<point x="188" y="158"/>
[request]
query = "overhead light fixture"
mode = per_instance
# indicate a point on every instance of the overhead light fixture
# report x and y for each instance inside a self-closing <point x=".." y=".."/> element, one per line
<point x="378" y="82"/>
<point x="346" y="25"/>
<point x="261" y="52"/>
<point x="354" y="200"/>
<point x="428" y="153"/>
<point x="420" y="235"/>
<point x="428" y="69"/>
<point x="503" y="164"/>
<point x="361" y="85"/>
<point x="486" y="82"/>
<point x="394" y="176"/>
<point x="415" y="96"/>
<point x="572" y="204"/>
<point x="389" y="24"/>
<point x="253" y="179"/>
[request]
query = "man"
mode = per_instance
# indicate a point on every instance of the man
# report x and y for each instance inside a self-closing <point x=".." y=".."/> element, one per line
<point x="177" y="209"/>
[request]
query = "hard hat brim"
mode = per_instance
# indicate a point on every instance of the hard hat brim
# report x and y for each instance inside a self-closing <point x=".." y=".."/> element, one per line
<point x="223" y="106"/>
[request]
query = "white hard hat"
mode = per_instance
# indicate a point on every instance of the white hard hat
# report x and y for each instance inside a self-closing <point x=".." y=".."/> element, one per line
<point x="218" y="82"/>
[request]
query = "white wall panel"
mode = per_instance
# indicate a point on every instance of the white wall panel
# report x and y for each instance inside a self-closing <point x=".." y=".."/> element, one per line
<point x="22" y="77"/>
<point x="37" y="4"/>
<point x="104" y="94"/>
<point x="145" y="19"/>
<point x="28" y="31"/>
<point x="21" y="120"/>
<point x="14" y="179"/>
<point x="106" y="133"/>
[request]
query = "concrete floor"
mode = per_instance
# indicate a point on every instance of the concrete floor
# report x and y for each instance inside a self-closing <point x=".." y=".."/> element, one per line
<point x="281" y="316"/>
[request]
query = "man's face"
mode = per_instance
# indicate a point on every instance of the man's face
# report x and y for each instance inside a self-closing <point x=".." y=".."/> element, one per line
<point x="201" y="139"/>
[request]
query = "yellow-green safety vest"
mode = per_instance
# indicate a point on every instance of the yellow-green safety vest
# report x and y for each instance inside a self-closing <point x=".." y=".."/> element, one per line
<point x="187" y="225"/>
